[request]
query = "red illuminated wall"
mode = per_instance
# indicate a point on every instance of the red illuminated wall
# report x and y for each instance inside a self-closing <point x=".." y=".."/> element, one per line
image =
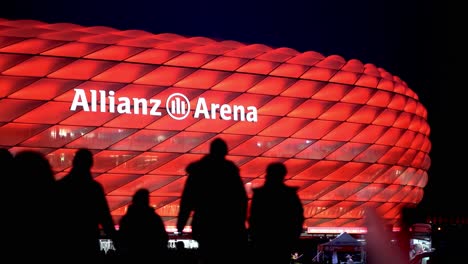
<point x="351" y="134"/>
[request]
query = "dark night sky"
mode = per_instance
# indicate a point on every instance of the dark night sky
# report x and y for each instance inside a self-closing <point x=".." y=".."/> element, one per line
<point x="414" y="40"/>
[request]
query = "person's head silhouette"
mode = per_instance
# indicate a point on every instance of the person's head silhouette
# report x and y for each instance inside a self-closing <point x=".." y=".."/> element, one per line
<point x="34" y="168"/>
<point x="83" y="159"/>
<point x="141" y="197"/>
<point x="275" y="173"/>
<point x="218" y="148"/>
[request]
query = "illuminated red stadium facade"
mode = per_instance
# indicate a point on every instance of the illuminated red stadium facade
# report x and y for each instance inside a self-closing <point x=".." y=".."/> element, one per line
<point x="351" y="134"/>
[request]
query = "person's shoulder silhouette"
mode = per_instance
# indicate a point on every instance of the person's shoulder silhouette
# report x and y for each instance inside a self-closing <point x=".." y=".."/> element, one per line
<point x="33" y="168"/>
<point x="85" y="211"/>
<point x="275" y="204"/>
<point x="228" y="198"/>
<point x="80" y="175"/>
<point x="35" y="205"/>
<point x="141" y="219"/>
<point x="274" y="184"/>
<point x="6" y="157"/>
<point x="6" y="163"/>
<point x="6" y="167"/>
<point x="215" y="158"/>
<point x="142" y="232"/>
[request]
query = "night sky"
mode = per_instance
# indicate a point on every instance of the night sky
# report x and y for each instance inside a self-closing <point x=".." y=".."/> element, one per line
<point x="414" y="40"/>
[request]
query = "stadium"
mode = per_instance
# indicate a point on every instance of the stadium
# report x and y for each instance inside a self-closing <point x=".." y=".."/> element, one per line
<point x="351" y="134"/>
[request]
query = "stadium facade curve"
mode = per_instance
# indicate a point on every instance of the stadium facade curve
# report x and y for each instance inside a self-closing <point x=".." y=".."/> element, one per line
<point x="351" y="134"/>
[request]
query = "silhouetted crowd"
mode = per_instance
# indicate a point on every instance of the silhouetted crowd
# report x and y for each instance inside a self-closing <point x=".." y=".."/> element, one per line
<point x="64" y="219"/>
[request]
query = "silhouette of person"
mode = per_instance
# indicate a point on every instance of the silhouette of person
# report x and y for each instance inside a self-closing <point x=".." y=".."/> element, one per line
<point x="6" y="164"/>
<point x="6" y="160"/>
<point x="215" y="194"/>
<point x="33" y="212"/>
<point x="85" y="211"/>
<point x="142" y="234"/>
<point x="275" y="211"/>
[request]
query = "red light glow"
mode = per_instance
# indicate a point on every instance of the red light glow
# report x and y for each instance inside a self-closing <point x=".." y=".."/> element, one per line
<point x="351" y="134"/>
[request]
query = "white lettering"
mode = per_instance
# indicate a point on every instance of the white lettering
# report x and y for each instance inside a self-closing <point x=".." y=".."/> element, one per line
<point x="124" y="107"/>
<point x="201" y="108"/>
<point x="252" y="115"/>
<point x="137" y="106"/>
<point x="214" y="108"/>
<point x="93" y="100"/>
<point x="80" y="100"/>
<point x="154" y="110"/>
<point x="111" y="102"/>
<point x="102" y="102"/>
<point x="239" y="111"/>
<point x="225" y="112"/>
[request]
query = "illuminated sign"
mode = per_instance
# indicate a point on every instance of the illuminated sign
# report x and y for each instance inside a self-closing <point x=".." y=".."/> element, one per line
<point x="177" y="106"/>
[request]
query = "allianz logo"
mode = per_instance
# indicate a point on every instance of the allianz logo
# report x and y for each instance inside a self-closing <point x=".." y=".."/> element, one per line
<point x="177" y="106"/>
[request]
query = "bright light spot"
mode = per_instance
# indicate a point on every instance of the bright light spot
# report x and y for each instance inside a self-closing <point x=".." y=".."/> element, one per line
<point x="63" y="132"/>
